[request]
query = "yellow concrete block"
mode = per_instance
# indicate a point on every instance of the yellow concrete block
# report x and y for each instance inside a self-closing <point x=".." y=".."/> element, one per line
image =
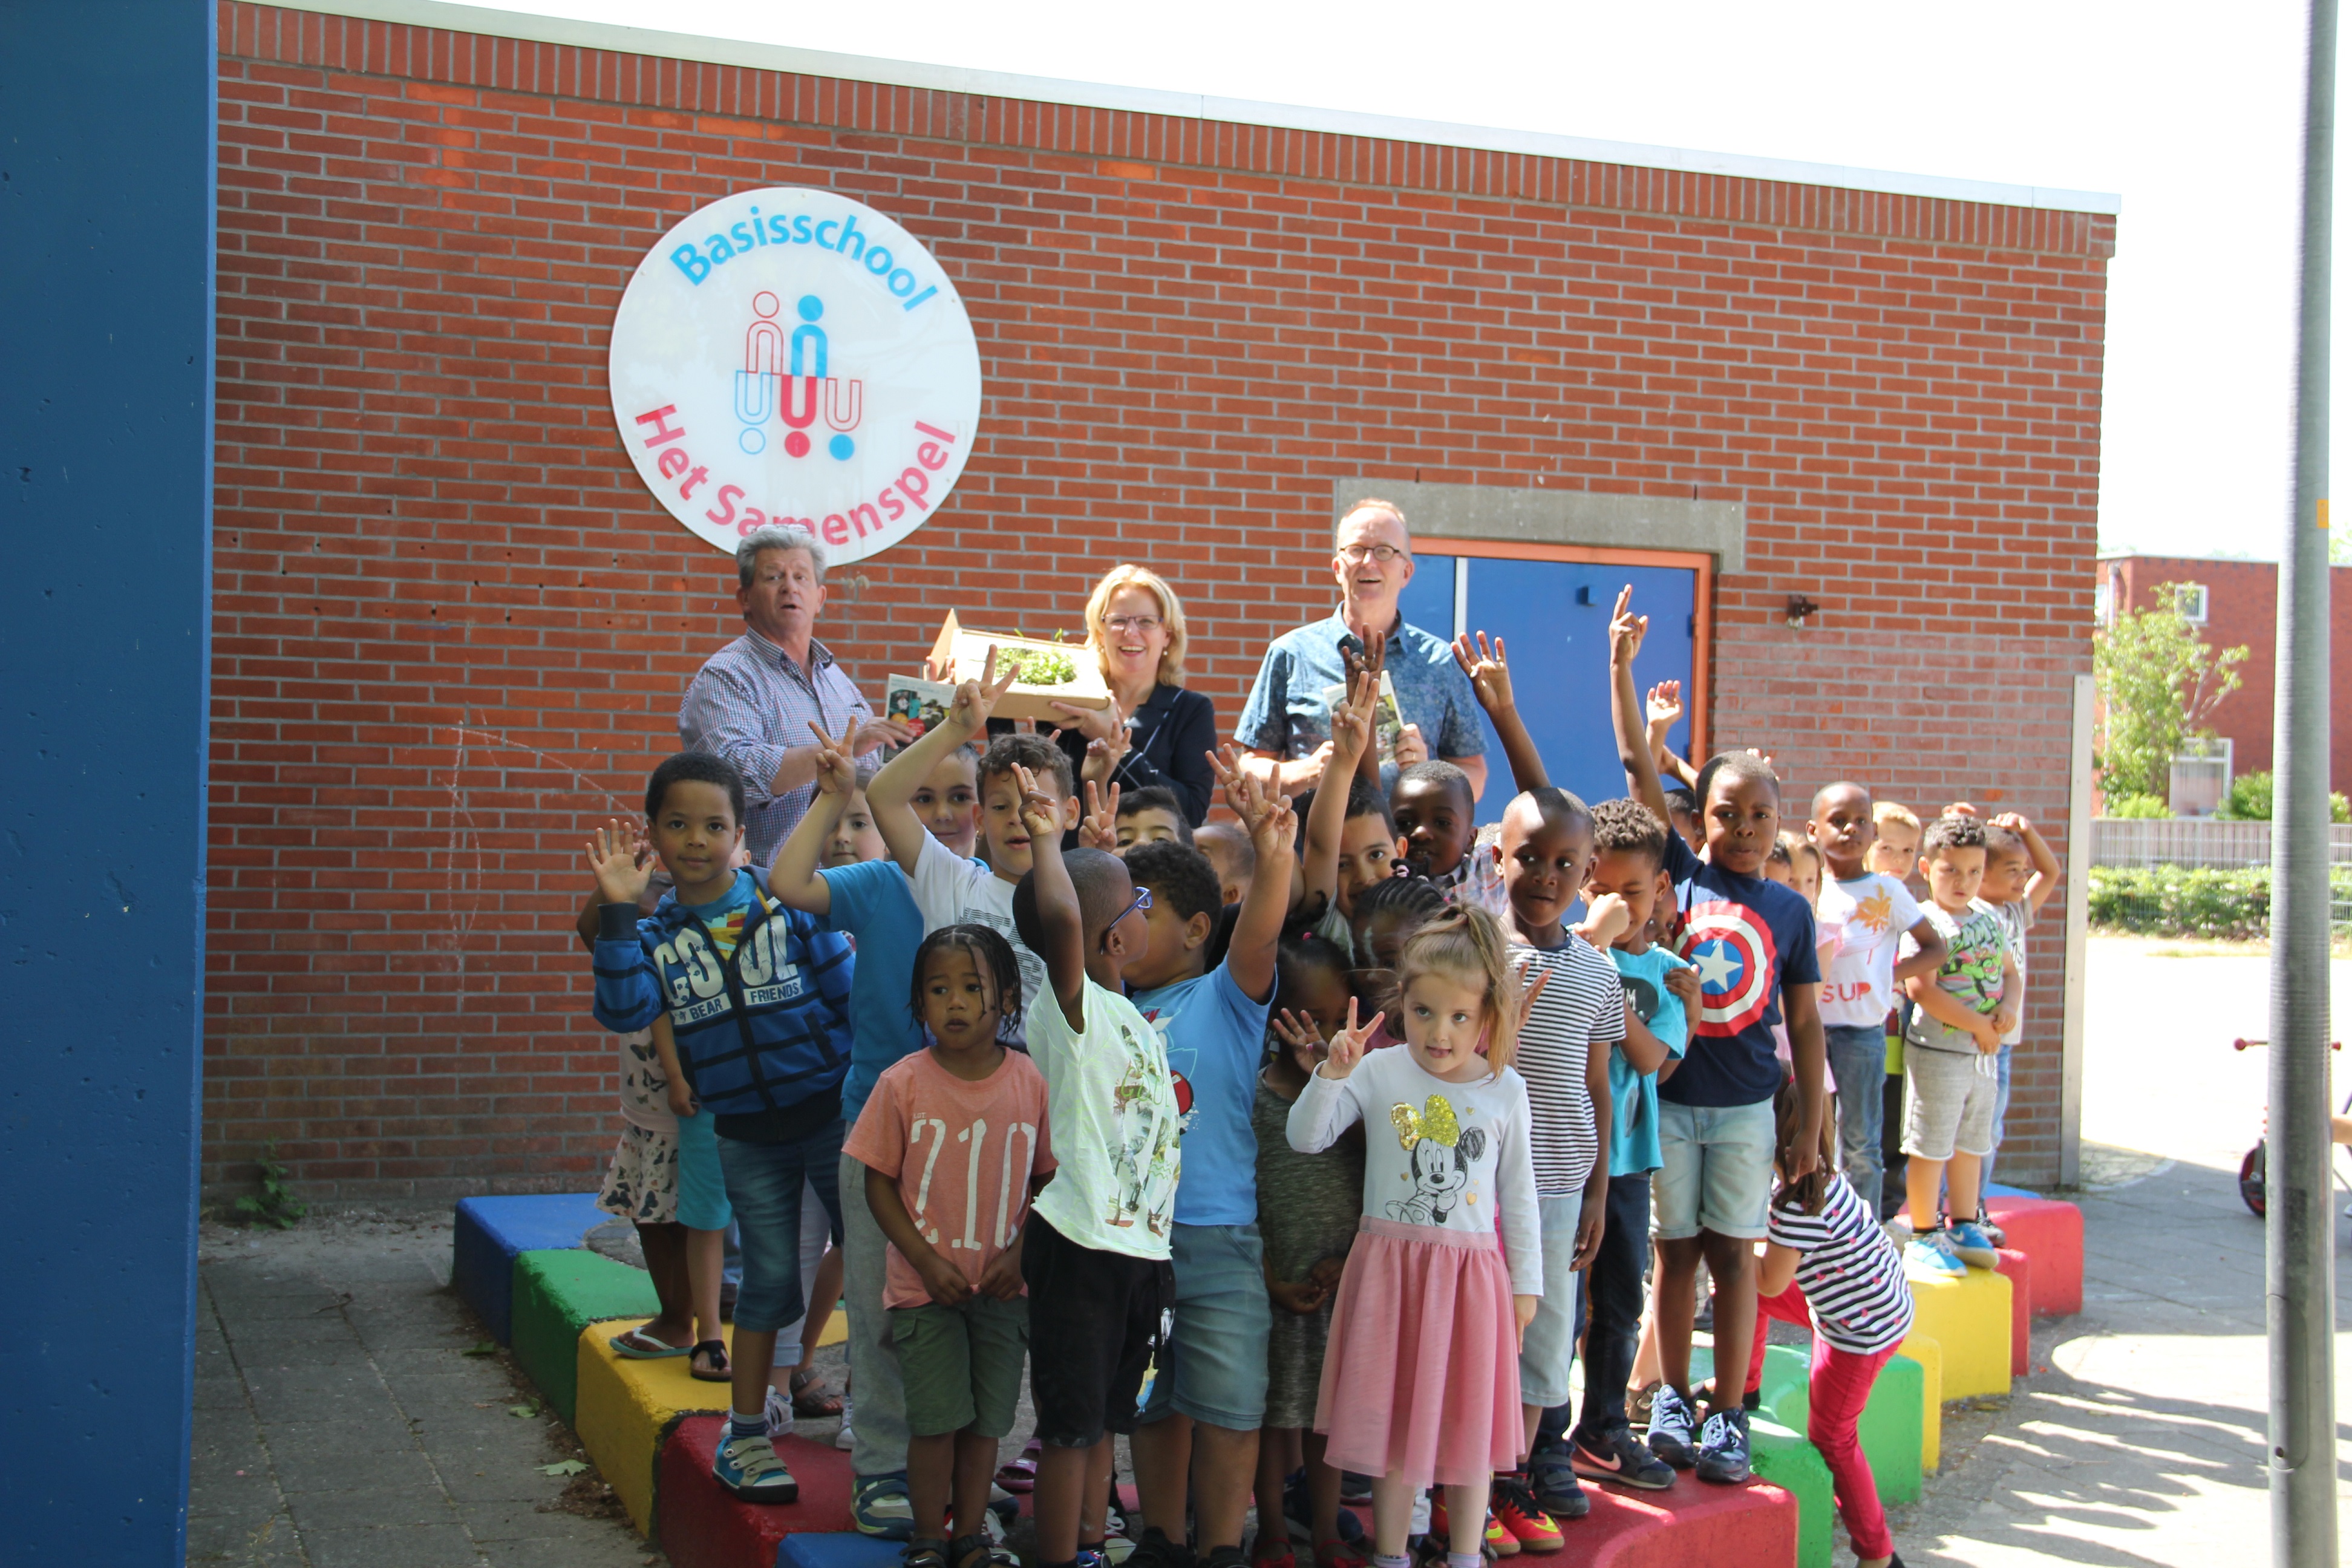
<point x="1930" y="1357"/>
<point x="626" y="1408"/>
<point x="836" y="1330"/>
<point x="1970" y="1317"/>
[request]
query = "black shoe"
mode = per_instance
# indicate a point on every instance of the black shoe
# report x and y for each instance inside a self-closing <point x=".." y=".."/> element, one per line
<point x="1156" y="1551"/>
<point x="1224" y="1557"/>
<point x="1723" y="1449"/>
<point x="1619" y="1456"/>
<point x="1551" y="1486"/>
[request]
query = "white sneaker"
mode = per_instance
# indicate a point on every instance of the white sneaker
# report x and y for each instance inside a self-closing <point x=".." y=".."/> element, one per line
<point x="779" y="1413"/>
<point x="845" y="1440"/>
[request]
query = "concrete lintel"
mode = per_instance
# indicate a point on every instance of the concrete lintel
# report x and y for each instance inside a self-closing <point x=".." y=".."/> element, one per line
<point x="1545" y="515"/>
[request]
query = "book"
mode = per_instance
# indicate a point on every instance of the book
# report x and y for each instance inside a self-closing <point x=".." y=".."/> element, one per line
<point x="1388" y="719"/>
<point x="918" y="704"/>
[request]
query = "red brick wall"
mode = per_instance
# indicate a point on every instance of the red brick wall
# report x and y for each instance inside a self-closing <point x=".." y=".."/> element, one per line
<point x="453" y="627"/>
<point x="2242" y="611"/>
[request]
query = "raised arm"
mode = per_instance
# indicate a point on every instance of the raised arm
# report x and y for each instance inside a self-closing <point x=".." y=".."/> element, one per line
<point x="1933" y="951"/>
<point x="888" y="796"/>
<point x="1267" y="816"/>
<point x="1351" y="733"/>
<point x="1626" y="631"/>
<point x="1664" y="703"/>
<point x="628" y="993"/>
<point x="2046" y="871"/>
<point x="1490" y="682"/>
<point x="793" y="878"/>
<point x="1064" y="947"/>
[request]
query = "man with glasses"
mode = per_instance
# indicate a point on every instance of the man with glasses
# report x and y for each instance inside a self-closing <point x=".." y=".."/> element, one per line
<point x="1285" y="728"/>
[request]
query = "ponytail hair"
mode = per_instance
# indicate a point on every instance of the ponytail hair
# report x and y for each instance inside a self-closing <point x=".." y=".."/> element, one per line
<point x="1464" y="945"/>
<point x="1806" y="1193"/>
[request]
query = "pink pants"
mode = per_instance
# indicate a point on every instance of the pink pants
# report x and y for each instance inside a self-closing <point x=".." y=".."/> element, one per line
<point x="1841" y="1386"/>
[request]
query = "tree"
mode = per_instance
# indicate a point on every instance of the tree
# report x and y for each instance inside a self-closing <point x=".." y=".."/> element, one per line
<point x="2158" y="685"/>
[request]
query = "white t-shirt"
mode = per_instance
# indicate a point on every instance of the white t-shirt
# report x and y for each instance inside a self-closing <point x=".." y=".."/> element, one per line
<point x="952" y="891"/>
<point x="1450" y="1155"/>
<point x="1111" y="1109"/>
<point x="1870" y="915"/>
<point x="1580" y="1010"/>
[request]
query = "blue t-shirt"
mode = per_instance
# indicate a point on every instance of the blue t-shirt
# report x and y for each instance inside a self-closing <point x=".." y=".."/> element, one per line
<point x="1215" y="1036"/>
<point x="873" y="902"/>
<point x="1748" y="937"/>
<point x="1634" y="1096"/>
<point x="1289" y="707"/>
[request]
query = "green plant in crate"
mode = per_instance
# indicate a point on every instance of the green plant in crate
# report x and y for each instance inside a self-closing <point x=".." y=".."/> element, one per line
<point x="1037" y="667"/>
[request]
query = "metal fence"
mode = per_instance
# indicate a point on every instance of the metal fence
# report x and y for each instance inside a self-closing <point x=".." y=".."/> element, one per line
<point x="2196" y="877"/>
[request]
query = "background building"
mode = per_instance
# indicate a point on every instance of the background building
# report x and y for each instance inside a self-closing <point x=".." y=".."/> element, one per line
<point x="452" y="628"/>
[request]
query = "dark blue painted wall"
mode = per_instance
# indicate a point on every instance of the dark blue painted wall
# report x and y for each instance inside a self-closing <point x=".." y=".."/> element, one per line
<point x="106" y="256"/>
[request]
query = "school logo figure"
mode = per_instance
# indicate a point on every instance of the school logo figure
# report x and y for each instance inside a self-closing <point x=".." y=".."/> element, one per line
<point x="783" y="376"/>
<point x="1440" y="1152"/>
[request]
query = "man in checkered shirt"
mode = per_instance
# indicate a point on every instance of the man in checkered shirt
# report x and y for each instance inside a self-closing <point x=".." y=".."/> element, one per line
<point x="753" y="704"/>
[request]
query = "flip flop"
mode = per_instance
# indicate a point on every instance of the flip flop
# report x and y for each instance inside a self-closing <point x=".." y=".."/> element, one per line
<point x="639" y="1345"/>
<point x="817" y="1405"/>
<point x="715" y="1351"/>
<point x="1021" y="1475"/>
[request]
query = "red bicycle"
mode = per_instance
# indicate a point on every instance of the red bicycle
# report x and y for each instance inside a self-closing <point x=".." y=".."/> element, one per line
<point x="2253" y="1170"/>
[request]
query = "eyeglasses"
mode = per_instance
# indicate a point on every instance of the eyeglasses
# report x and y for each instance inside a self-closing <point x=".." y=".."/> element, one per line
<point x="1132" y="623"/>
<point x="1142" y="902"/>
<point x="1360" y="554"/>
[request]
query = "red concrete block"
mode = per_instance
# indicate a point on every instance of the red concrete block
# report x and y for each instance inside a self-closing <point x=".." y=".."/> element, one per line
<point x="2049" y="1232"/>
<point x="700" y="1526"/>
<point x="2019" y="1267"/>
<point x="1754" y="1526"/>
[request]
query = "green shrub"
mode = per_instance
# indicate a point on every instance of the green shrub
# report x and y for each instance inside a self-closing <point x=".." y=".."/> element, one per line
<point x="2138" y="807"/>
<point x="2249" y="799"/>
<point x="2195" y="901"/>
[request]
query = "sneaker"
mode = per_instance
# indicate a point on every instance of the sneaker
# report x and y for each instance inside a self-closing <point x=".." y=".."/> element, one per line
<point x="1933" y="1257"/>
<point x="1899" y="1231"/>
<point x="1494" y="1538"/>
<point x="1969" y="1240"/>
<point x="748" y="1468"/>
<point x="1354" y="1487"/>
<point x="1156" y="1551"/>
<point x="881" y="1508"/>
<point x="1723" y="1449"/>
<point x="1619" y="1456"/>
<point x="1553" y="1481"/>
<point x="779" y="1413"/>
<point x="845" y="1440"/>
<point x="1514" y="1508"/>
<point x="1671" y="1423"/>
<point x="1090" y="1557"/>
<point x="1985" y="1224"/>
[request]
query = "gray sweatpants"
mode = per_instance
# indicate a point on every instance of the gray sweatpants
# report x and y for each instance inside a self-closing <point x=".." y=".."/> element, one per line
<point x="878" y="1419"/>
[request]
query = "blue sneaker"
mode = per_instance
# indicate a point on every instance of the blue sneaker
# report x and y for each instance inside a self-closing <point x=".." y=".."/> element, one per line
<point x="748" y="1468"/>
<point x="1973" y="1246"/>
<point x="880" y="1508"/>
<point x="1671" y="1423"/>
<point x="1932" y="1255"/>
<point x="1723" y="1449"/>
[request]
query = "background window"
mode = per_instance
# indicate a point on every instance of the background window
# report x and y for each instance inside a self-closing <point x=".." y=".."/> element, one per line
<point x="2191" y="600"/>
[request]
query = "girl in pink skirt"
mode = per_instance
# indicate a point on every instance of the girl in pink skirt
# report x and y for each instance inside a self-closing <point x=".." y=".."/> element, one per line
<point x="1421" y="1381"/>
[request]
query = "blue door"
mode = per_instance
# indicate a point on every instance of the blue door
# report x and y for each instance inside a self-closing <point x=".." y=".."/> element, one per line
<point x="1553" y="616"/>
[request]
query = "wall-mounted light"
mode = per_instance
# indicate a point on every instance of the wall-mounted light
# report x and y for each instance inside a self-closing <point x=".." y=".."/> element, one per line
<point x="1800" y="608"/>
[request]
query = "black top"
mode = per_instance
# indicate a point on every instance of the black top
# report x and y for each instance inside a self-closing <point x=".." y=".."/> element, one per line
<point x="1169" y="741"/>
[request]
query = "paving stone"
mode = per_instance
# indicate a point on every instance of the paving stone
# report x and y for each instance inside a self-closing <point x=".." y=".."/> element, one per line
<point x="410" y="1546"/>
<point x="362" y="1502"/>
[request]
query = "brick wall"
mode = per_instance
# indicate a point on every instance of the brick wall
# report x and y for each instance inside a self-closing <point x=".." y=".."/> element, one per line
<point x="2242" y="611"/>
<point x="453" y="627"/>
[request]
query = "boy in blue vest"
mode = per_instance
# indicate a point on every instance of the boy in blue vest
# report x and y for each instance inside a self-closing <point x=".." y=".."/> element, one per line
<point x="758" y="998"/>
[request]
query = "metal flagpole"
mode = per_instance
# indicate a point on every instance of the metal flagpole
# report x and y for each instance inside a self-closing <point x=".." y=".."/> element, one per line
<point x="2301" y="1270"/>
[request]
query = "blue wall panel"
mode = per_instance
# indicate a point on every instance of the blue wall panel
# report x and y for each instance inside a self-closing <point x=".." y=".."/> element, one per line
<point x="106" y="244"/>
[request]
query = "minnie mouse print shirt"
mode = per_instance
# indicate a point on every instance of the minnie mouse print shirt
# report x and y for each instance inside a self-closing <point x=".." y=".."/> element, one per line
<point x="1449" y="1155"/>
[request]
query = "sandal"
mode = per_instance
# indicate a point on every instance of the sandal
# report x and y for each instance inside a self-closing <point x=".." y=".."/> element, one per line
<point x="813" y="1406"/>
<point x="1021" y="1475"/>
<point x="710" y="1364"/>
<point x="930" y="1553"/>
<point x="639" y="1345"/>
<point x="1339" y="1553"/>
<point x="977" y="1552"/>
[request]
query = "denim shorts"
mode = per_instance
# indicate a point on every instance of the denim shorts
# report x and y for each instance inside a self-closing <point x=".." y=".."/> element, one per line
<point x="1715" y="1172"/>
<point x="1215" y="1368"/>
<point x="763" y="1187"/>
<point x="701" y="1184"/>
<point x="1548" y="1349"/>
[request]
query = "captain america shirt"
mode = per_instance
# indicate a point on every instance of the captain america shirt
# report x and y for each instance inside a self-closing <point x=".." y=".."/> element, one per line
<point x="1748" y="937"/>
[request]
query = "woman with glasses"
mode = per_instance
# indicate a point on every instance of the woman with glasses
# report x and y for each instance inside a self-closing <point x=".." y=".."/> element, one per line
<point x="1154" y="731"/>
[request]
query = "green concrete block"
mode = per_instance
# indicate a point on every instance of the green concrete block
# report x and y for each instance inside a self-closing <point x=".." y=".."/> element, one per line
<point x="1890" y="1429"/>
<point x="1784" y="1458"/>
<point x="556" y="1295"/>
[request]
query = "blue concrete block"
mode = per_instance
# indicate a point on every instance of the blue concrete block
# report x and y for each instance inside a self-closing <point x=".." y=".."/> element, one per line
<point x="491" y="1231"/>
<point x="1995" y="1189"/>
<point x="847" y="1550"/>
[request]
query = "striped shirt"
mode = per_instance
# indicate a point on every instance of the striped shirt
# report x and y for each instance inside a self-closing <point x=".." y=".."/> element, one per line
<point x="1850" y="1272"/>
<point x="751" y="704"/>
<point x="1582" y="1009"/>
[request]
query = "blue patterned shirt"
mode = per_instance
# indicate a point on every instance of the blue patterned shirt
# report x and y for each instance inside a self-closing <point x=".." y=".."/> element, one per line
<point x="1289" y="708"/>
<point x="751" y="704"/>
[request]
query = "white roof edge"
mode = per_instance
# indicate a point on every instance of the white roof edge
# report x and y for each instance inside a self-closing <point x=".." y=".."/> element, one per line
<point x="622" y="39"/>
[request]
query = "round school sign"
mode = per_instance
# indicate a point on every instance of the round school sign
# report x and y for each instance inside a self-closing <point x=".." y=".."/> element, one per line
<point x="790" y="356"/>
